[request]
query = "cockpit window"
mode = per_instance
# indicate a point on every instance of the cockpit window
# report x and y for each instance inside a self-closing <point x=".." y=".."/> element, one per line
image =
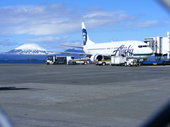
<point x="141" y="46"/>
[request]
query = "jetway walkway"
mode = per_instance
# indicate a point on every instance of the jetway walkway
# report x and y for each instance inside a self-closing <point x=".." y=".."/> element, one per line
<point x="161" y="50"/>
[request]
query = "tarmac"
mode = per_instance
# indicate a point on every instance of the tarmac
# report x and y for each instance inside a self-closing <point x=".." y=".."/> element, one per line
<point x="37" y="95"/>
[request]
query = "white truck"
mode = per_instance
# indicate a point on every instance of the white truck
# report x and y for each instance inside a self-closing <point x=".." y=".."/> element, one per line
<point x="118" y="60"/>
<point x="52" y="60"/>
<point x="132" y="62"/>
<point x="124" y="61"/>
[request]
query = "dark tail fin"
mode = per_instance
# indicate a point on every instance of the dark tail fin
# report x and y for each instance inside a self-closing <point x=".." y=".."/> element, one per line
<point x="86" y="39"/>
<point x="84" y="33"/>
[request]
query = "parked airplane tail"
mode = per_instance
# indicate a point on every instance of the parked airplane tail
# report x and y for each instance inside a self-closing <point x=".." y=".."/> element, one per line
<point x="86" y="40"/>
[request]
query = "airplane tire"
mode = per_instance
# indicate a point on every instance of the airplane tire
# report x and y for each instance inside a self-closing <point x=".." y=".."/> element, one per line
<point x="103" y="63"/>
<point x="125" y="64"/>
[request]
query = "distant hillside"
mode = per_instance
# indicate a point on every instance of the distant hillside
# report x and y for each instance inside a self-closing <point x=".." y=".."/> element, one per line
<point x="31" y="58"/>
<point x="12" y="58"/>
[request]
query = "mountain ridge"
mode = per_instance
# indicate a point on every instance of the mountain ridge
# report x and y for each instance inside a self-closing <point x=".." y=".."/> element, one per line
<point x="28" y="49"/>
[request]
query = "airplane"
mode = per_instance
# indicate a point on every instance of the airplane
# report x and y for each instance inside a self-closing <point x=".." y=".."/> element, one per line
<point x="96" y="51"/>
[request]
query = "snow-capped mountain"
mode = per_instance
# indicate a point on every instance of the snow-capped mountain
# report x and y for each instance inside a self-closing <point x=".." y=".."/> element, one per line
<point x="29" y="49"/>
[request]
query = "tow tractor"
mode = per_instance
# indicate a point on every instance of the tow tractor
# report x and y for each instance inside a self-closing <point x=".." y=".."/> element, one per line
<point x="81" y="61"/>
<point x="132" y="62"/>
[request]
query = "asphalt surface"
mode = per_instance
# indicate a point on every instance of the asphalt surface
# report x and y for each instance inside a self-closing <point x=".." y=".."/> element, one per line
<point x="82" y="95"/>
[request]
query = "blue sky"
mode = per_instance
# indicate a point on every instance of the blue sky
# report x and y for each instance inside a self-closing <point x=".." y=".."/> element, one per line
<point x="51" y="23"/>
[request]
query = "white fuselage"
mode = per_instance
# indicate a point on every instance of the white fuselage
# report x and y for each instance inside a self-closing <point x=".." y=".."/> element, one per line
<point x="140" y="49"/>
<point x="132" y="49"/>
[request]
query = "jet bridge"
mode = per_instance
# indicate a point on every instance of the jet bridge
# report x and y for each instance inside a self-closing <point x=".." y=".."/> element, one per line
<point x="159" y="45"/>
<point x="161" y="49"/>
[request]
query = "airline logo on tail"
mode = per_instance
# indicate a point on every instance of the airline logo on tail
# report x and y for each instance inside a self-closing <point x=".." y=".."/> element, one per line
<point x="86" y="40"/>
<point x="84" y="33"/>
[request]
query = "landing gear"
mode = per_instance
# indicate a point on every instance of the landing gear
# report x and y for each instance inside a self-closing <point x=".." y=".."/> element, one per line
<point x="103" y="64"/>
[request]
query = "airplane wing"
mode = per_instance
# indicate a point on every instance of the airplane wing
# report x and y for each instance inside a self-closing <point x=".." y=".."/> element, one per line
<point x="81" y="47"/>
<point x="75" y="53"/>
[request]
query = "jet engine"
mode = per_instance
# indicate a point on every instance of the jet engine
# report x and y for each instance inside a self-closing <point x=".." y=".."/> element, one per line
<point x="96" y="57"/>
<point x="99" y="57"/>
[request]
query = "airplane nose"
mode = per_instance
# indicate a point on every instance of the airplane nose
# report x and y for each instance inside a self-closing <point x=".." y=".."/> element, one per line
<point x="150" y="51"/>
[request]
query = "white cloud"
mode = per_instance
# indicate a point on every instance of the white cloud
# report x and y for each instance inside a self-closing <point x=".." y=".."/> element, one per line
<point x="36" y="20"/>
<point x="58" y="19"/>
<point x="53" y="19"/>
<point x="51" y="42"/>
<point x="49" y="39"/>
<point x="106" y="18"/>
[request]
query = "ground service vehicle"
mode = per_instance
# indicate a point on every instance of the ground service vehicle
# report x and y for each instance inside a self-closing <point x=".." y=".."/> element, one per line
<point x="123" y="61"/>
<point x="132" y="62"/>
<point x="105" y="60"/>
<point x="118" y="60"/>
<point x="58" y="59"/>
